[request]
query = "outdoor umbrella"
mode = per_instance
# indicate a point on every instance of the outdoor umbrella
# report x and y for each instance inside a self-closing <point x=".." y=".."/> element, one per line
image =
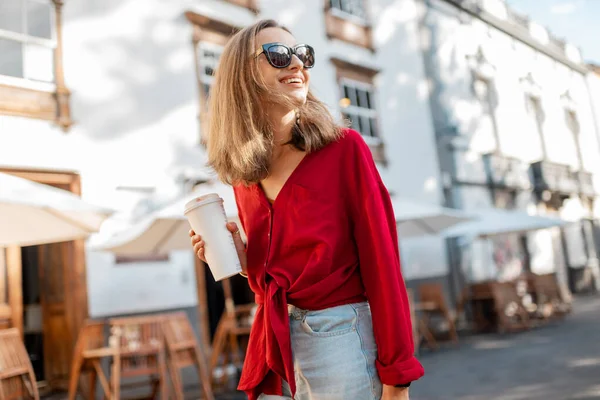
<point x="166" y="229"/>
<point x="495" y="221"/>
<point x="33" y="213"/>
<point x="415" y="219"/>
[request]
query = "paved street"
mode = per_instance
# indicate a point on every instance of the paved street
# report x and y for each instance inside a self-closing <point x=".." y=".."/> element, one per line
<point x="560" y="361"/>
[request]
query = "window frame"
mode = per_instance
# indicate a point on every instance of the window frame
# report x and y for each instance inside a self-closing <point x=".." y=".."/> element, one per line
<point x="202" y="62"/>
<point x="347" y="27"/>
<point x="371" y="113"/>
<point x="338" y="12"/>
<point x="25" y="39"/>
<point x="28" y="98"/>
<point x="487" y="106"/>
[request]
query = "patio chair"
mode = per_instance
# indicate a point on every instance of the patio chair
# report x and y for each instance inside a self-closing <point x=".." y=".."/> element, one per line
<point x="235" y="322"/>
<point x="90" y="349"/>
<point x="183" y="350"/>
<point x="432" y="295"/>
<point x="17" y="378"/>
<point x="140" y="352"/>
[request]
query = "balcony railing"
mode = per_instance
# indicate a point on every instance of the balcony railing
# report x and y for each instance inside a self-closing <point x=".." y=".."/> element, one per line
<point x="506" y="172"/>
<point x="586" y="183"/>
<point x="557" y="178"/>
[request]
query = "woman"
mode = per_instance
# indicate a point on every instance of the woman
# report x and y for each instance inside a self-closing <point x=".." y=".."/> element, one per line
<point x="320" y="228"/>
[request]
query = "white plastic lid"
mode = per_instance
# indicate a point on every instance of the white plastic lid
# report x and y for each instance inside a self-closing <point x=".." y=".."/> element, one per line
<point x="201" y="201"/>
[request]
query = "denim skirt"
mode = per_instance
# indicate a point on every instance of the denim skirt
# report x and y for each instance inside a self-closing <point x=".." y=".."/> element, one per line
<point x="334" y="354"/>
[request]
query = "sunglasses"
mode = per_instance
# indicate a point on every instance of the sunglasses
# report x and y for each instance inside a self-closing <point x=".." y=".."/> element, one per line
<point x="280" y="56"/>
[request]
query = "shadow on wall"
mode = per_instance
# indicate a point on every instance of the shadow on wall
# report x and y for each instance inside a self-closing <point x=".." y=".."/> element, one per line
<point x="127" y="76"/>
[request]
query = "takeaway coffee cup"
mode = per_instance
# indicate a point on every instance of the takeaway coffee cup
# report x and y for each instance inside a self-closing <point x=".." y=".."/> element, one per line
<point x="207" y="218"/>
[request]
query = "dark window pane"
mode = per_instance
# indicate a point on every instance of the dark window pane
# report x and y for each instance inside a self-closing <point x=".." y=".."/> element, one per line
<point x="208" y="70"/>
<point x="206" y="89"/>
<point x="11" y="15"/>
<point x="373" y="124"/>
<point x="365" y="124"/>
<point x="11" y="61"/>
<point x="369" y="103"/>
<point x="363" y="101"/>
<point x="351" y="94"/>
<point x="360" y="122"/>
<point x="354" y="120"/>
<point x="354" y="7"/>
<point x="39" y="19"/>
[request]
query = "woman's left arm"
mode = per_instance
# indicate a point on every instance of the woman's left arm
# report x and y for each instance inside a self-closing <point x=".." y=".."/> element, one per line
<point x="376" y="238"/>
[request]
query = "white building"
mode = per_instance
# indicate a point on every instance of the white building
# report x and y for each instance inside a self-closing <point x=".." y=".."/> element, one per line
<point x="515" y="129"/>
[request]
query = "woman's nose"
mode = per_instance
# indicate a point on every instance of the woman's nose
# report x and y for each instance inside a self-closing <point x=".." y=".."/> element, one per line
<point x="296" y="63"/>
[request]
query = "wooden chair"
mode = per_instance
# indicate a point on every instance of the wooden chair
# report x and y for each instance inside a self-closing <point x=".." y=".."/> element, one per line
<point x="234" y="323"/>
<point x="432" y="294"/>
<point x="183" y="351"/>
<point x="419" y="330"/>
<point x="90" y="348"/>
<point x="17" y="378"/>
<point x="140" y="352"/>
<point x="510" y="312"/>
<point x="549" y="298"/>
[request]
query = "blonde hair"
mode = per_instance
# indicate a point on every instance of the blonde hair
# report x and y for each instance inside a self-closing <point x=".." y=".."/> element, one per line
<point x="240" y="136"/>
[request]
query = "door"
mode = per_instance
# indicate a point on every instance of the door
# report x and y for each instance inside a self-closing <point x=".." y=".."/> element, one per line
<point x="53" y="260"/>
<point x="62" y="287"/>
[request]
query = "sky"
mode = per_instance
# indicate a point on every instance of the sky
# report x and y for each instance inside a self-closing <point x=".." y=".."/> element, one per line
<point x="576" y="21"/>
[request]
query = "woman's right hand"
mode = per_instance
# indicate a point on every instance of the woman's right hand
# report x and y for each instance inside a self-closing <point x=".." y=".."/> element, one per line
<point x="198" y="245"/>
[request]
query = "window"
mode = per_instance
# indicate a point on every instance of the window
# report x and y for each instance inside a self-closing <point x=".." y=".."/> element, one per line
<point x="572" y="123"/>
<point x="357" y="103"/>
<point x="484" y="93"/>
<point x="31" y="71"/>
<point x="352" y="9"/>
<point x="347" y="20"/>
<point x="27" y="41"/>
<point x="534" y="110"/>
<point x="209" y="38"/>
<point x="358" y="107"/>
<point x="208" y="59"/>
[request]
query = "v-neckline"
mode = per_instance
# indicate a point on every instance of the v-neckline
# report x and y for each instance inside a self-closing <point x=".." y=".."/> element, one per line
<point x="263" y="194"/>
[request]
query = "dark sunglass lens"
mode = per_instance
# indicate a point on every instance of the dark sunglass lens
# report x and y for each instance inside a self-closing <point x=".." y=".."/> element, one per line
<point x="307" y="55"/>
<point x="279" y="56"/>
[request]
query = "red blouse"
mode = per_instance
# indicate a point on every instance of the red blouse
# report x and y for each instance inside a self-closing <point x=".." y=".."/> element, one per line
<point x="328" y="239"/>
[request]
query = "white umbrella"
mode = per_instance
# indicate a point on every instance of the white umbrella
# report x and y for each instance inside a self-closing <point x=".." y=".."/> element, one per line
<point x="32" y="213"/>
<point x="495" y="221"/>
<point x="415" y="219"/>
<point x="166" y="229"/>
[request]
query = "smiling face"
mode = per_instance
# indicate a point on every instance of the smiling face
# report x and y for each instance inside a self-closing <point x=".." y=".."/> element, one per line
<point x="291" y="81"/>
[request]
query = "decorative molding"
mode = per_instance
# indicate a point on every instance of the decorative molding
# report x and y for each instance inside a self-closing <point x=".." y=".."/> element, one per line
<point x="568" y="102"/>
<point x="205" y="23"/>
<point x="251" y="5"/>
<point x="530" y="86"/>
<point x="30" y="103"/>
<point x="350" y="70"/>
<point x="480" y="65"/>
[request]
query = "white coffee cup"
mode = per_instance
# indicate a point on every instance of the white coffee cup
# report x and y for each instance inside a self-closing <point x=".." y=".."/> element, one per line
<point x="207" y="218"/>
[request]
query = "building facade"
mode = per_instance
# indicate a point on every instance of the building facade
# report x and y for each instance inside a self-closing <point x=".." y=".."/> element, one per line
<point x="515" y="129"/>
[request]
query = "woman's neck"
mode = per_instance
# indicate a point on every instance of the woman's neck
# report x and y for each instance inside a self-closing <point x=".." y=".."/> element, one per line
<point x="282" y="123"/>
